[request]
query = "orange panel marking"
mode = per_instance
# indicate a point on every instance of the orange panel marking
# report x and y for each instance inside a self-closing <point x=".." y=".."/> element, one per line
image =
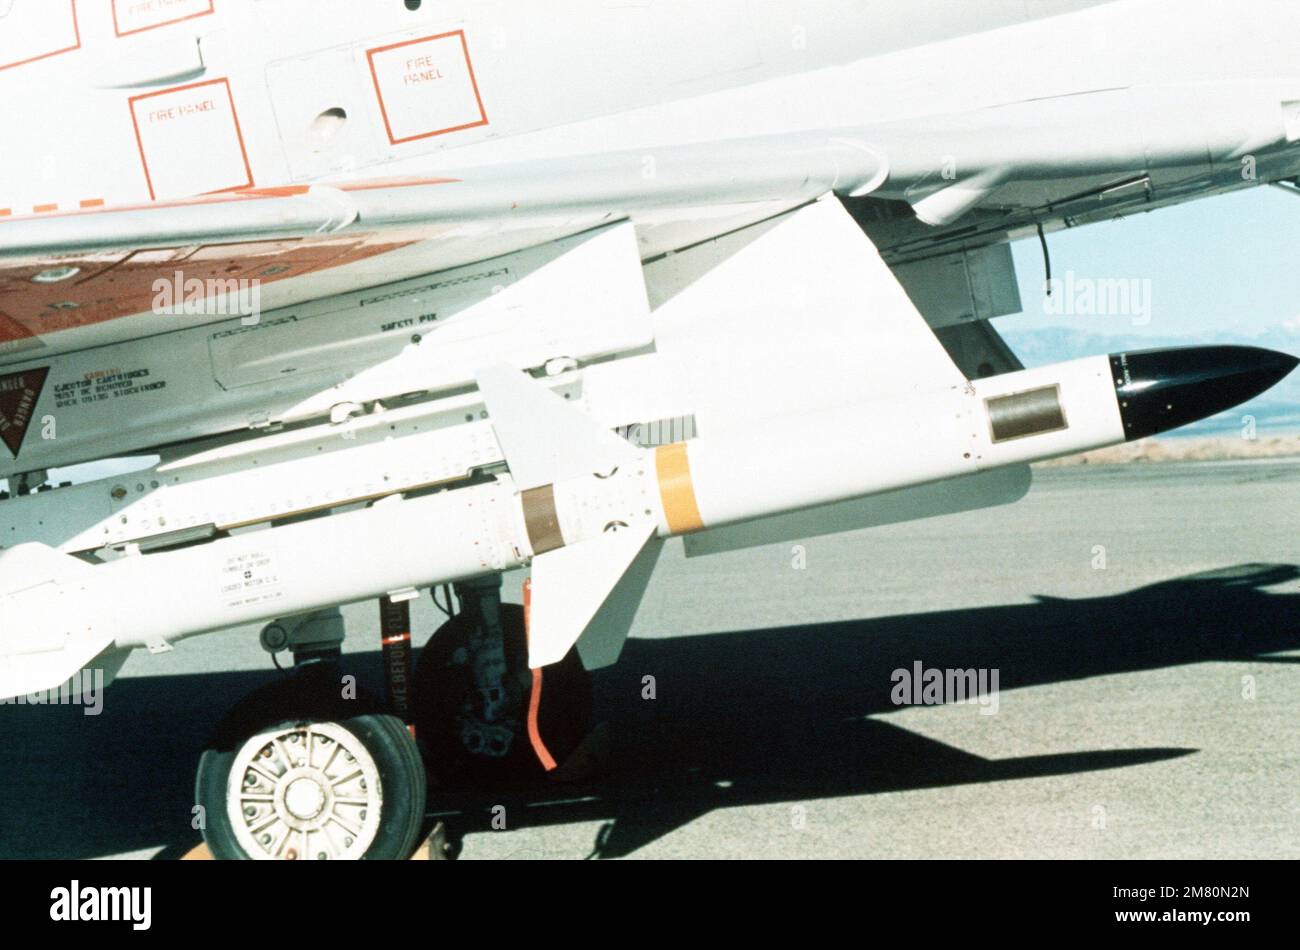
<point x="234" y="114"/>
<point x="280" y="191"/>
<point x="153" y="26"/>
<point x="122" y="284"/>
<point x="251" y="194"/>
<point x="76" y="29"/>
<point x="380" y="183"/>
<point x="469" y="65"/>
<point x="11" y="330"/>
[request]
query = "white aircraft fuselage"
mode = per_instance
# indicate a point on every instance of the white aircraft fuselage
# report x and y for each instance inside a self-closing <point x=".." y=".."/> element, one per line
<point x="1051" y="98"/>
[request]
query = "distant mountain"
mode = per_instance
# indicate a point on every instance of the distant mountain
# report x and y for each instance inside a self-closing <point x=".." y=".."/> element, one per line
<point x="1278" y="410"/>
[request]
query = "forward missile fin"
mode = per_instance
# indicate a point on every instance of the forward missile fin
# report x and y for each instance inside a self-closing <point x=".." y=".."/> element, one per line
<point x="588" y="594"/>
<point x="545" y="440"/>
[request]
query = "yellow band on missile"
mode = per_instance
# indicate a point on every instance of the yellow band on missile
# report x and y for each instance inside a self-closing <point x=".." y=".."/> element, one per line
<point x="676" y="490"/>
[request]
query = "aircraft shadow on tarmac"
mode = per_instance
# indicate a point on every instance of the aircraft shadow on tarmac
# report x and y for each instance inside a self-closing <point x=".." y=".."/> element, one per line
<point x="758" y="717"/>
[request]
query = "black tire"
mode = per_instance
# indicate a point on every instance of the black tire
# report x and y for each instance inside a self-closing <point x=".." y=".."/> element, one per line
<point x="443" y="681"/>
<point x="313" y="699"/>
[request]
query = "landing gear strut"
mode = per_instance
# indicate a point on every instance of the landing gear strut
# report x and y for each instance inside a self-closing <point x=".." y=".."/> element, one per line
<point x="308" y="768"/>
<point x="481" y="714"/>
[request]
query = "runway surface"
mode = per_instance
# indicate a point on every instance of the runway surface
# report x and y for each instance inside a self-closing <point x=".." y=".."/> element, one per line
<point x="1143" y="620"/>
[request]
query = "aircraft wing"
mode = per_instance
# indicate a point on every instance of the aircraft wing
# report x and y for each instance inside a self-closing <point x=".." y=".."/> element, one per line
<point x="65" y="277"/>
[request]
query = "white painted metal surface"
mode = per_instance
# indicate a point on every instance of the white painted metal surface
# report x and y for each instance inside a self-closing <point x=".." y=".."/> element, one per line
<point x="427" y="334"/>
<point x="666" y="181"/>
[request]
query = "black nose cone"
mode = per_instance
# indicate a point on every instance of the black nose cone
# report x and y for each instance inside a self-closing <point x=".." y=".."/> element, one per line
<point x="1159" y="390"/>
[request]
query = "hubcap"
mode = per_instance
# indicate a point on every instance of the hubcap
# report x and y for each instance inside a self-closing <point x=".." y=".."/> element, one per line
<point x="304" y="792"/>
<point x="304" y="798"/>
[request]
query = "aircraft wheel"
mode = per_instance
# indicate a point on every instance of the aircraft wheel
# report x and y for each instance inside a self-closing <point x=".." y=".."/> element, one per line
<point x="312" y="781"/>
<point x="444" y="691"/>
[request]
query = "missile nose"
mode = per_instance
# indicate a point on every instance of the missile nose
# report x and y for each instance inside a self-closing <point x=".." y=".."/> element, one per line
<point x="1159" y="390"/>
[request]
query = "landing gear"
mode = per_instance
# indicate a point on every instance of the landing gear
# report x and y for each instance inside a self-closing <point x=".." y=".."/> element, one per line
<point x="300" y="772"/>
<point x="306" y="769"/>
<point x="481" y="714"/>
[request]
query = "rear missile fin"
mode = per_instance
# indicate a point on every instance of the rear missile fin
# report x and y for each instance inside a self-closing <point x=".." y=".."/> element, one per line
<point x="46" y="633"/>
<point x="588" y="594"/>
<point x="543" y="439"/>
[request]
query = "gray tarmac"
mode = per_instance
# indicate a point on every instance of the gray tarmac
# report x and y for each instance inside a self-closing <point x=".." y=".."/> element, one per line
<point x="1143" y="621"/>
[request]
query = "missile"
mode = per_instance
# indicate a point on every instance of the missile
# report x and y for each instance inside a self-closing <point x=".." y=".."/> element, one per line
<point x="594" y="511"/>
<point x="589" y="511"/>
<point x="812" y="459"/>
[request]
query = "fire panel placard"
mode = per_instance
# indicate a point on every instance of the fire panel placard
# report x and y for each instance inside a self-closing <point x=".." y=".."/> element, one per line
<point x="136" y="16"/>
<point x="190" y="141"/>
<point x="426" y="87"/>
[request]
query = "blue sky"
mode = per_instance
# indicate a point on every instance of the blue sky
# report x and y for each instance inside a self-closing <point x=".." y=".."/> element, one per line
<point x="1219" y="265"/>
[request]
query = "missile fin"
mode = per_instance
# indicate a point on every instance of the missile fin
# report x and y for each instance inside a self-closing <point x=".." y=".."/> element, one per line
<point x="543" y="438"/>
<point x="46" y="634"/>
<point x="588" y="594"/>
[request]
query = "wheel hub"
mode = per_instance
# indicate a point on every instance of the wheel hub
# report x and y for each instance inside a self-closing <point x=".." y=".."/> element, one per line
<point x="304" y="791"/>
<point x="304" y="798"/>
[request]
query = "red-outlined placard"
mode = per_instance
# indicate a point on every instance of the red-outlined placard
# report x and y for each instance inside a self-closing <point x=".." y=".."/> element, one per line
<point x="426" y="87"/>
<point x="136" y="16"/>
<point x="49" y="26"/>
<point x="190" y="140"/>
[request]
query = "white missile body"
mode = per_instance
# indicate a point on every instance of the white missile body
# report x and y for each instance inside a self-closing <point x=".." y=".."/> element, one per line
<point x="811" y="459"/>
<point x="69" y="611"/>
<point x="589" y="510"/>
<point x="819" y="458"/>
